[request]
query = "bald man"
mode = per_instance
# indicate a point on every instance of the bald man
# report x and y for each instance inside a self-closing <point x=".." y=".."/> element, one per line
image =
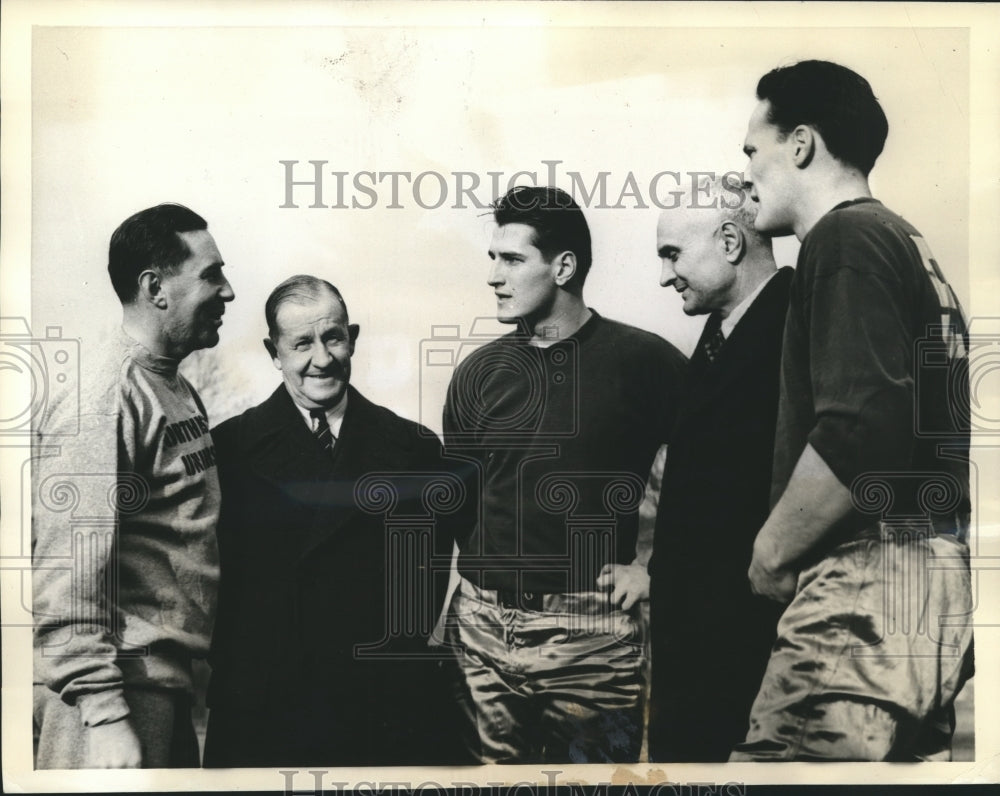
<point x="710" y="635"/>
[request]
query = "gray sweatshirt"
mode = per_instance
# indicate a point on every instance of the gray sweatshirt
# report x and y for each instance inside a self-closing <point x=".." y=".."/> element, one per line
<point x="125" y="561"/>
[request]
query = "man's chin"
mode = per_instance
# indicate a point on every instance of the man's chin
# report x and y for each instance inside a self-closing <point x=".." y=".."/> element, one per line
<point x="328" y="400"/>
<point x="208" y="339"/>
<point x="772" y="230"/>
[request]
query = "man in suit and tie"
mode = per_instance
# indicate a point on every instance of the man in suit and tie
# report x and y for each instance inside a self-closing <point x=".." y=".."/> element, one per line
<point x="319" y="657"/>
<point x="710" y="635"/>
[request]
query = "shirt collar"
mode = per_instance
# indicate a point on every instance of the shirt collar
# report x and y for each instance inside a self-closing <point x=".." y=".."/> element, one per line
<point x="334" y="416"/>
<point x="580" y="335"/>
<point x="734" y="317"/>
<point x="146" y="358"/>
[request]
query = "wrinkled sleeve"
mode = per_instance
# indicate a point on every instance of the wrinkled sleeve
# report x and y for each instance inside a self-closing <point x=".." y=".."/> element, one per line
<point x="860" y="353"/>
<point x="462" y="461"/>
<point x="450" y="421"/>
<point x="74" y="528"/>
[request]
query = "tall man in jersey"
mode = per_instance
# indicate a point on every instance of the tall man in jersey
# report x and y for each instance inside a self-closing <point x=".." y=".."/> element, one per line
<point x="562" y="418"/>
<point x="866" y="536"/>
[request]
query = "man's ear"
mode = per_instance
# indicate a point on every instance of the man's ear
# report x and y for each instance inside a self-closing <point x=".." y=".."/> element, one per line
<point x="803" y="145"/>
<point x="151" y="288"/>
<point x="734" y="242"/>
<point x="565" y="268"/>
<point x="353" y="330"/>
<point x="272" y="352"/>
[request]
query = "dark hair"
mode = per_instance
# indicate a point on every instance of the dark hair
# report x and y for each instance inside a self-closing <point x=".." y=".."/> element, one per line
<point x="296" y="288"/>
<point x="558" y="222"/>
<point x="149" y="239"/>
<point x="838" y="102"/>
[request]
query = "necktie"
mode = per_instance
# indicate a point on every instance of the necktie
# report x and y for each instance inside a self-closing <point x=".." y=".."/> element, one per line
<point x="324" y="436"/>
<point x="712" y="338"/>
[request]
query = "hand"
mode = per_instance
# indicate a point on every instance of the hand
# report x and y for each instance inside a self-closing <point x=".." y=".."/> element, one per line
<point x="113" y="745"/>
<point x="768" y="579"/>
<point x="629" y="583"/>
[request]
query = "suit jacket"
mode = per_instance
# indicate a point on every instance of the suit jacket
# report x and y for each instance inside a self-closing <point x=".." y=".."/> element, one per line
<point x="326" y="560"/>
<point x="711" y="635"/>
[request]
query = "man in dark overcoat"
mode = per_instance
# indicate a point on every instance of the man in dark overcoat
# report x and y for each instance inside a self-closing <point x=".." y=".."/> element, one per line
<point x="335" y="549"/>
<point x="710" y="635"/>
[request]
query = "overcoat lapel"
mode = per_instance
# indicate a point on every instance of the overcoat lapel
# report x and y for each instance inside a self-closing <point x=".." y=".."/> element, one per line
<point x="283" y="452"/>
<point x="360" y="450"/>
<point x="754" y="331"/>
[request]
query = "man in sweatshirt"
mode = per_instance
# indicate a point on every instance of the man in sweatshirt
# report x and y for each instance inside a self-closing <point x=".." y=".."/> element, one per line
<point x="125" y="510"/>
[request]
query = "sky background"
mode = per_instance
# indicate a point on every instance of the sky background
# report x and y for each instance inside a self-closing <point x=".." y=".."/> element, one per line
<point x="124" y="118"/>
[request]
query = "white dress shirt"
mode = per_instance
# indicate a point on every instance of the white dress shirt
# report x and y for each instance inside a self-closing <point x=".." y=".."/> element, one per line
<point x="334" y="416"/>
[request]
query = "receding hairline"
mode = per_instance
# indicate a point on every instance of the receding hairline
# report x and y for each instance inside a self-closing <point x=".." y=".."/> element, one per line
<point x="700" y="213"/>
<point x="711" y="197"/>
<point x="305" y="290"/>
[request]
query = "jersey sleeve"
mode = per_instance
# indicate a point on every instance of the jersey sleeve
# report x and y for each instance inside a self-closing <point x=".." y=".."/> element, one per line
<point x="860" y="355"/>
<point x="449" y="419"/>
<point x="75" y="525"/>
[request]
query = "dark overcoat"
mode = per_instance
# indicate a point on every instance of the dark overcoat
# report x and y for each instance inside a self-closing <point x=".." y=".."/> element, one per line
<point x="711" y="636"/>
<point x="334" y="568"/>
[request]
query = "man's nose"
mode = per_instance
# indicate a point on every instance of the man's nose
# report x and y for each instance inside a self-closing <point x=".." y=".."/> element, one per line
<point x="495" y="278"/>
<point x="321" y="356"/>
<point x="227" y="293"/>
<point x="667" y="274"/>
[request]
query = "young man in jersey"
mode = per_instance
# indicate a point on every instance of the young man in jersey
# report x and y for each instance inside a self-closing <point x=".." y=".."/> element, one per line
<point x="562" y="418"/>
<point x="870" y="494"/>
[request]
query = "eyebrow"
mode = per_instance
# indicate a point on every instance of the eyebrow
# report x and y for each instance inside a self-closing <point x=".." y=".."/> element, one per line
<point x="509" y="255"/>
<point x="663" y="251"/>
<point x="747" y="149"/>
